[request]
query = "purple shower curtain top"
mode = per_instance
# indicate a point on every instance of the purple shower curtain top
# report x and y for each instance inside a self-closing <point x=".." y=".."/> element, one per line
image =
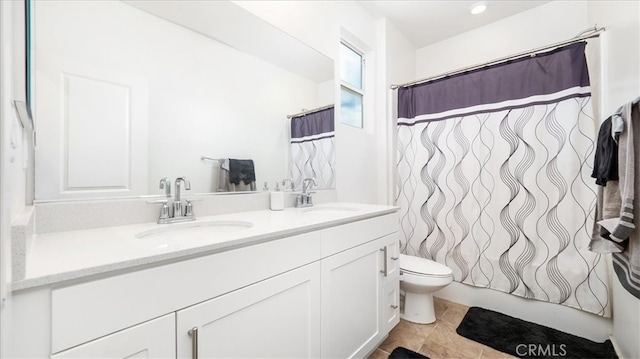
<point x="544" y="74"/>
<point x="312" y="126"/>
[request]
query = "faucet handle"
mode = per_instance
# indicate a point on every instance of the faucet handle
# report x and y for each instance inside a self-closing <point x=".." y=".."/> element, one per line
<point x="164" y="211"/>
<point x="188" y="208"/>
<point x="157" y="201"/>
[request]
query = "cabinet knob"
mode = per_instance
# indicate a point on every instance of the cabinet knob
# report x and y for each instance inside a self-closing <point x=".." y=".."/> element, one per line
<point x="394" y="307"/>
<point x="394" y="258"/>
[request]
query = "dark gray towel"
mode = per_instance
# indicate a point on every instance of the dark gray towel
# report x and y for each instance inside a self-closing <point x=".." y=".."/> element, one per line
<point x="241" y="170"/>
<point x="605" y="166"/>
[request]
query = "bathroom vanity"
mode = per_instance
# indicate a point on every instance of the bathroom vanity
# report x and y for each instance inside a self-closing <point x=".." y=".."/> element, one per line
<point x="315" y="282"/>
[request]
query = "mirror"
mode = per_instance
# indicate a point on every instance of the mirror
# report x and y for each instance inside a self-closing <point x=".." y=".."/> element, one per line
<point x="129" y="92"/>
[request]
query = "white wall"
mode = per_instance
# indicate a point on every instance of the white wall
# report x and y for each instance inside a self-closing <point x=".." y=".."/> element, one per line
<point x="5" y="222"/>
<point x="204" y="97"/>
<point x="621" y="83"/>
<point x="626" y="321"/>
<point x="18" y="155"/>
<point x="540" y="26"/>
<point x="518" y="33"/>
<point x="15" y="170"/>
<point x="12" y="182"/>
<point x="397" y="66"/>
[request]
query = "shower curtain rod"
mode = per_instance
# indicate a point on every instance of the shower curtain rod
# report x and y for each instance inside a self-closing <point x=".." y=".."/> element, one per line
<point x="306" y="112"/>
<point x="593" y="32"/>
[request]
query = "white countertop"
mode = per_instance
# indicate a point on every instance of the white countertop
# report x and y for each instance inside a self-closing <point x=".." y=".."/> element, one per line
<point x="63" y="256"/>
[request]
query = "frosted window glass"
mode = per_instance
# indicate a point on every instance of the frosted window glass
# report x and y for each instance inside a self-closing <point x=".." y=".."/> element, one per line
<point x="351" y="66"/>
<point x="351" y="108"/>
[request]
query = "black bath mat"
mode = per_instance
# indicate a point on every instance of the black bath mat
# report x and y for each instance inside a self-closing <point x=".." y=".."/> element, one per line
<point x="404" y="353"/>
<point x="528" y="340"/>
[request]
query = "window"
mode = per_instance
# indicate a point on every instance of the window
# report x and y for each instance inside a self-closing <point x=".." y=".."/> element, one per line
<point x="351" y="86"/>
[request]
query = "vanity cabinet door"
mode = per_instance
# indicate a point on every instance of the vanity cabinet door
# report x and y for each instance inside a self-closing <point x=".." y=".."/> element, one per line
<point x="390" y="311"/>
<point x="351" y="301"/>
<point x="152" y="339"/>
<point x="276" y="318"/>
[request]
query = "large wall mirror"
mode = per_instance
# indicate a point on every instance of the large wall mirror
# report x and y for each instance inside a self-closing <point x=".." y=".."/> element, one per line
<point x="128" y="92"/>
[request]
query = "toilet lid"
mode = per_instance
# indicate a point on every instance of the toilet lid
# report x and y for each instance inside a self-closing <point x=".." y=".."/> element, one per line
<point x="423" y="266"/>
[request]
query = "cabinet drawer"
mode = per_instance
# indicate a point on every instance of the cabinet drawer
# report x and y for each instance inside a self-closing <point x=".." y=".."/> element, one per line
<point x="153" y="339"/>
<point x="341" y="238"/>
<point x="86" y="311"/>
<point x="390" y="313"/>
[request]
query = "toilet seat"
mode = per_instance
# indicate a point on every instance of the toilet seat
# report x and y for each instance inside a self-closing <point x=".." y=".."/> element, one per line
<point x="423" y="267"/>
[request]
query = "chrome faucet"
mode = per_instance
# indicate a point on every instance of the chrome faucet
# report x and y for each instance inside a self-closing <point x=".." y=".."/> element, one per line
<point x="178" y="214"/>
<point x="284" y="184"/>
<point x="177" y="204"/>
<point x="304" y="199"/>
<point x="166" y="185"/>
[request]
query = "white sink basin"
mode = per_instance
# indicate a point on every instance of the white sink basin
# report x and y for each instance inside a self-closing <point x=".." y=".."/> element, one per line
<point x="194" y="230"/>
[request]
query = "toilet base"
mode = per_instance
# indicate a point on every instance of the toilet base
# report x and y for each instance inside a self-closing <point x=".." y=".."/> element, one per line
<point x="418" y="308"/>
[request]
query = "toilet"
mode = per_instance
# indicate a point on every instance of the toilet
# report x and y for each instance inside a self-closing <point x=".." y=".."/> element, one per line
<point x="419" y="278"/>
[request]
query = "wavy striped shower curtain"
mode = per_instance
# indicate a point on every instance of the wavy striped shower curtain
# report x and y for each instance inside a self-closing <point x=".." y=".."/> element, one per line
<point x="494" y="179"/>
<point x="313" y="149"/>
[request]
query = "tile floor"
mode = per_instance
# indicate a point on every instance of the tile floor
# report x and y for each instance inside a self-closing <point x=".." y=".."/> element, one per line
<point x="438" y="340"/>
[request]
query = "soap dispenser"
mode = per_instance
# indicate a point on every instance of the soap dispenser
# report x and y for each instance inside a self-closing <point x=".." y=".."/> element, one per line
<point x="277" y="199"/>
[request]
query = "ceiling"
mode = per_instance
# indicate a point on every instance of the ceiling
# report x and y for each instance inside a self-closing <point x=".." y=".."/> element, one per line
<point x="425" y="22"/>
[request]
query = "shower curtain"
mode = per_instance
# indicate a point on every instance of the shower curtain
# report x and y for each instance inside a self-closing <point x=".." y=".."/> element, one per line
<point x="313" y="149"/>
<point x="494" y="179"/>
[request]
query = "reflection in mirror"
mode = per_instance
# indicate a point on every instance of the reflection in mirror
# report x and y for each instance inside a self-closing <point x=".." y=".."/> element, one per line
<point x="313" y="147"/>
<point x="127" y="93"/>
